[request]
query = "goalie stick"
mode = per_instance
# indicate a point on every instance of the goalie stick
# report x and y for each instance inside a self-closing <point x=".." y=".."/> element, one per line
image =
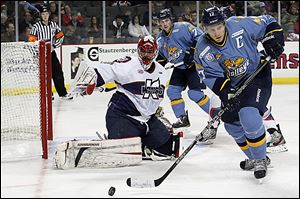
<point x="140" y="183"/>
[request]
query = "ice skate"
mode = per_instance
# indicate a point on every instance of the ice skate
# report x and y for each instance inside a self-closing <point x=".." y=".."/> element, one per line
<point x="260" y="169"/>
<point x="66" y="97"/>
<point x="248" y="164"/>
<point x="277" y="142"/>
<point x="182" y="122"/>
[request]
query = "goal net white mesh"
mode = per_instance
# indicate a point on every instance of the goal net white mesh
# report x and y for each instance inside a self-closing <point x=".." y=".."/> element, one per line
<point x="21" y="129"/>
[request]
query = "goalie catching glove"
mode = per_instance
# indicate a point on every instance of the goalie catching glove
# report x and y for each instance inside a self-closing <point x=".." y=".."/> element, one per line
<point x="85" y="83"/>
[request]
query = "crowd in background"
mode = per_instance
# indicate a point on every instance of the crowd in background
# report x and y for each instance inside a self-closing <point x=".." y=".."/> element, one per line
<point x="126" y="21"/>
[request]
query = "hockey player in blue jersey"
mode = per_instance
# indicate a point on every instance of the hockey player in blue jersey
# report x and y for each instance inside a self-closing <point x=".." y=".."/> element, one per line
<point x="276" y="141"/>
<point x="176" y="47"/>
<point x="228" y="53"/>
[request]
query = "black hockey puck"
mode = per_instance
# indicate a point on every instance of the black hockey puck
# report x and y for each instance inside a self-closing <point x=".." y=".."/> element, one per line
<point x="111" y="191"/>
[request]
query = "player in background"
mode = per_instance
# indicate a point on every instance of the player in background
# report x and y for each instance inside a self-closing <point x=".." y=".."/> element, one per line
<point x="141" y="83"/>
<point x="177" y="43"/>
<point x="276" y="141"/>
<point x="49" y="31"/>
<point x="228" y="53"/>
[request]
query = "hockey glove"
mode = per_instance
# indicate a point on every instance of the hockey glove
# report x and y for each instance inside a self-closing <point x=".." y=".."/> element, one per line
<point x="189" y="58"/>
<point x="273" y="42"/>
<point x="223" y="89"/>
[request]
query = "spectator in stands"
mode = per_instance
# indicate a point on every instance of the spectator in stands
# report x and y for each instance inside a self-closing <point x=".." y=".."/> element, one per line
<point x="127" y="18"/>
<point x="262" y="8"/>
<point x="26" y="22"/>
<point x="67" y="16"/>
<point x="78" y="21"/>
<point x="9" y="34"/>
<point x="194" y="18"/>
<point x="253" y="8"/>
<point x="3" y="22"/>
<point x="53" y="8"/>
<point x="135" y="28"/>
<point x="229" y="10"/>
<point x="272" y="8"/>
<point x="180" y="18"/>
<point x="119" y="27"/>
<point x="289" y="19"/>
<point x="24" y="35"/>
<point x="4" y="10"/>
<point x="257" y="8"/>
<point x="70" y="37"/>
<point x="95" y="28"/>
<point x="54" y="17"/>
<point x="187" y="16"/>
<point x="62" y="9"/>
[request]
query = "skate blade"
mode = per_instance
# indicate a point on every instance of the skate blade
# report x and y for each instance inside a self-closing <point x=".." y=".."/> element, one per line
<point x="260" y="180"/>
<point x="277" y="149"/>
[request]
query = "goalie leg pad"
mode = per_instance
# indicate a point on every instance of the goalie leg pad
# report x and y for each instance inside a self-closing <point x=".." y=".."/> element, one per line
<point x="99" y="154"/>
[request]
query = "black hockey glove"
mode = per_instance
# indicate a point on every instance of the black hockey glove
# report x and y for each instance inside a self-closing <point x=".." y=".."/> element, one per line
<point x="189" y="58"/>
<point x="223" y="89"/>
<point x="273" y="41"/>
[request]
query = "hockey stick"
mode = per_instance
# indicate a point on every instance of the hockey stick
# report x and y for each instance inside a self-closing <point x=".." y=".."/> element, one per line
<point x="139" y="183"/>
<point x="170" y="65"/>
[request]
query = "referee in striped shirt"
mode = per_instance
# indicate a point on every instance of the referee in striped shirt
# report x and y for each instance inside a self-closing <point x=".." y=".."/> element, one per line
<point x="49" y="31"/>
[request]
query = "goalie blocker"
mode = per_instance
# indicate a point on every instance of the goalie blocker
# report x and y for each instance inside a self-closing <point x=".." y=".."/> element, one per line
<point x="110" y="153"/>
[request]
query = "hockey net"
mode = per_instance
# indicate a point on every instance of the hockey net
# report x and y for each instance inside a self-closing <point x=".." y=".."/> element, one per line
<point x="26" y="101"/>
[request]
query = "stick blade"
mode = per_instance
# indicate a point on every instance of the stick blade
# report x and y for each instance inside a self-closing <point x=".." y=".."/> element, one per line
<point x="139" y="183"/>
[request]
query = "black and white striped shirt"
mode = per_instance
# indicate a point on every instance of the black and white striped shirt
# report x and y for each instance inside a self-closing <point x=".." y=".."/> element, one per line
<point x="50" y="32"/>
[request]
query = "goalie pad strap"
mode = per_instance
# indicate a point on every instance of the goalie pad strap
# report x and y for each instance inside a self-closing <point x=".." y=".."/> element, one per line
<point x="79" y="154"/>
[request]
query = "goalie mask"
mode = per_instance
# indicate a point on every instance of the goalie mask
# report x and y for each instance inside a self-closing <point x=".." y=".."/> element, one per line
<point x="147" y="51"/>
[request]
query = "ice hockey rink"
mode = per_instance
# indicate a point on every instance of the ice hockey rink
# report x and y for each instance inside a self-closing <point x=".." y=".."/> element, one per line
<point x="207" y="170"/>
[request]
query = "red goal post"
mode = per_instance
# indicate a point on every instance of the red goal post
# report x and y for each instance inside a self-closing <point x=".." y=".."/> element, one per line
<point x="26" y="100"/>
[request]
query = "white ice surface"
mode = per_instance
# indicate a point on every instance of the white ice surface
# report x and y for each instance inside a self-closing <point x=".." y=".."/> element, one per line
<point x="207" y="171"/>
